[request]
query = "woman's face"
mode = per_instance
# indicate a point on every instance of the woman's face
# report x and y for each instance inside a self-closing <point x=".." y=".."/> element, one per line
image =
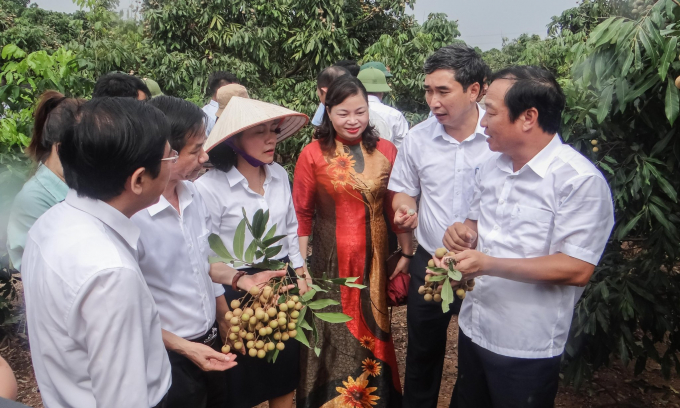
<point x="350" y="118"/>
<point x="259" y="142"/>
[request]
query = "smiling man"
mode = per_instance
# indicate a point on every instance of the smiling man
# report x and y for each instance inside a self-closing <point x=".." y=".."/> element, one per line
<point x="538" y="224"/>
<point x="437" y="161"/>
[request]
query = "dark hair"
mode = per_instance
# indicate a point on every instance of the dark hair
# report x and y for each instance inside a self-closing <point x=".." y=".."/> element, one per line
<point x="341" y="89"/>
<point x="186" y="119"/>
<point x="52" y="117"/>
<point x="223" y="157"/>
<point x="468" y="67"/>
<point x="349" y="65"/>
<point x="330" y="74"/>
<point x="218" y="79"/>
<point x="120" y="85"/>
<point x="533" y="87"/>
<point x="110" y="139"/>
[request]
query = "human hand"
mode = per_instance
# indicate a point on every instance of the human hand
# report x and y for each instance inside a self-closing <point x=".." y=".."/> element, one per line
<point x="459" y="237"/>
<point x="402" y="267"/>
<point x="472" y="263"/>
<point x="406" y="218"/>
<point x="246" y="282"/>
<point x="206" y="358"/>
<point x="303" y="283"/>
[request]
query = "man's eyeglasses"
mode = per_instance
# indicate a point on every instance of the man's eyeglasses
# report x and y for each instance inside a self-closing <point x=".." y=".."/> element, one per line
<point x="173" y="158"/>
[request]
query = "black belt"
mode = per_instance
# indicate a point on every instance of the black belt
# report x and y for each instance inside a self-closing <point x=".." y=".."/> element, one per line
<point x="208" y="338"/>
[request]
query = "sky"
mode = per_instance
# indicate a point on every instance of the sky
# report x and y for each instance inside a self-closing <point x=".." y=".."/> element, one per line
<point x="482" y="23"/>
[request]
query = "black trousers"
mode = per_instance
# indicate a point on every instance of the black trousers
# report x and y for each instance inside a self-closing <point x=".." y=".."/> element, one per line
<point x="486" y="379"/>
<point x="193" y="387"/>
<point x="427" y="327"/>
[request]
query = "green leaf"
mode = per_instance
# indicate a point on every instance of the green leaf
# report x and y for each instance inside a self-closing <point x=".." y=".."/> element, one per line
<point x="302" y="338"/>
<point x="217" y="259"/>
<point x="272" y="251"/>
<point x="258" y="226"/>
<point x="270" y="233"/>
<point x="437" y="278"/>
<point x="308" y="296"/>
<point x="455" y="275"/>
<point x="441" y="271"/>
<point x="333" y="317"/>
<point x="240" y="239"/>
<point x="321" y="303"/>
<point x="250" y="252"/>
<point x="605" y="103"/>
<point x="218" y="247"/>
<point x="272" y="240"/>
<point x="667" y="188"/>
<point x="317" y="288"/>
<point x="623" y="232"/>
<point x="672" y="101"/>
<point x="661" y="144"/>
<point x="668" y="57"/>
<point x="355" y="285"/>
<point x="447" y="295"/>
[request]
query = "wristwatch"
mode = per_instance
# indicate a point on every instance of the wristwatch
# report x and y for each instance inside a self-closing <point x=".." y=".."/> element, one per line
<point x="234" y="281"/>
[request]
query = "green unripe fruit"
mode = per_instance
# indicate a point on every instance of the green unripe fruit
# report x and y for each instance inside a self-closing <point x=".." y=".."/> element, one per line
<point x="261" y="353"/>
<point x="430" y="263"/>
<point x="282" y="321"/>
<point x="280" y="346"/>
<point x="294" y="314"/>
<point x="252" y="352"/>
<point x="440" y="252"/>
<point x="235" y="304"/>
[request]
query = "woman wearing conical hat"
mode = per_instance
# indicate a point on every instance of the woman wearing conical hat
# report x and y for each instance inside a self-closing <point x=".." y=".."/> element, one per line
<point x="241" y="148"/>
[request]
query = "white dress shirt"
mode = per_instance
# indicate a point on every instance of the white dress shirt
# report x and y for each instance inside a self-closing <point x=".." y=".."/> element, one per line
<point x="210" y="110"/>
<point x="173" y="256"/>
<point x="557" y="202"/>
<point x="95" y="333"/>
<point x="395" y="119"/>
<point x="226" y="193"/>
<point x="442" y="170"/>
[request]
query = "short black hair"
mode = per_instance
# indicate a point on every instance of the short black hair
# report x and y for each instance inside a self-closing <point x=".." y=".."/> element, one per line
<point x="119" y="85"/>
<point x="109" y="140"/>
<point x="186" y="119"/>
<point x="349" y="65"/>
<point x="218" y="79"/>
<point x="534" y="87"/>
<point x="330" y="74"/>
<point x="222" y="156"/>
<point x="467" y="65"/>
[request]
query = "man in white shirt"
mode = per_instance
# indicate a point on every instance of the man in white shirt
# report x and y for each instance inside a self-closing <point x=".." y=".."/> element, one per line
<point x="216" y="80"/>
<point x="437" y="161"/>
<point x="539" y="222"/>
<point x="95" y="333"/>
<point x="375" y="83"/>
<point x="173" y="257"/>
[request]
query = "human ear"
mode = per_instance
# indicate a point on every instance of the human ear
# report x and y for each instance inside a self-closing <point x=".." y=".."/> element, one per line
<point x="136" y="181"/>
<point x="530" y="119"/>
<point x="474" y="89"/>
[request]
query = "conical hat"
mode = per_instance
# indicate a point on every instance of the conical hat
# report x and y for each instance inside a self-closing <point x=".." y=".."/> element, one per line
<point x="243" y="113"/>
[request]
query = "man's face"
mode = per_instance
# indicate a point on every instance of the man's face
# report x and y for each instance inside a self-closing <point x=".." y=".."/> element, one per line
<point x="446" y="98"/>
<point x="154" y="187"/>
<point x="191" y="158"/>
<point x="504" y="135"/>
<point x="141" y="96"/>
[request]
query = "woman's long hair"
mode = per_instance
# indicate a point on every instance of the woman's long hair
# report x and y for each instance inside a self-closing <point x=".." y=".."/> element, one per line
<point x="55" y="112"/>
<point x="341" y="89"/>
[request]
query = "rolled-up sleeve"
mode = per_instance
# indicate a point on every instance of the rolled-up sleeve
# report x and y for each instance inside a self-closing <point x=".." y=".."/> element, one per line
<point x="473" y="212"/>
<point x="404" y="177"/>
<point x="296" y="259"/>
<point x="584" y="219"/>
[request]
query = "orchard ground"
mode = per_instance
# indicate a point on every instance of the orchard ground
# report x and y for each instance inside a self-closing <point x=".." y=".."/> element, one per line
<point x="612" y="387"/>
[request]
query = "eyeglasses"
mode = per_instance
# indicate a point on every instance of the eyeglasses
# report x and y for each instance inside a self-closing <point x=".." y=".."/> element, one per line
<point x="173" y="158"/>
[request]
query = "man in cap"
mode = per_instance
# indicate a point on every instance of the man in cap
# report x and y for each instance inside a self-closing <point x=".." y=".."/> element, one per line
<point x="153" y="86"/>
<point x="375" y="82"/>
<point x="222" y="97"/>
<point x="377" y="65"/>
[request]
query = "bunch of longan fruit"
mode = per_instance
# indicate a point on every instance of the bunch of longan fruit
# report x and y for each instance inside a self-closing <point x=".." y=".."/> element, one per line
<point x="432" y="290"/>
<point x="262" y="321"/>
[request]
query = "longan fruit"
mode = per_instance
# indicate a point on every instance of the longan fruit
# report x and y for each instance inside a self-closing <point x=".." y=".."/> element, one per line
<point x="252" y="352"/>
<point x="427" y="278"/>
<point x="440" y="252"/>
<point x="428" y="297"/>
<point x="294" y="314"/>
<point x="262" y="332"/>
<point x="260" y="314"/>
<point x="235" y="304"/>
<point x="238" y="345"/>
<point x="271" y="312"/>
<point x="437" y="297"/>
<point x="268" y="331"/>
<point x="274" y="324"/>
<point x="277" y="336"/>
<point x="292" y="333"/>
<point x="295" y="298"/>
<point x="595" y="149"/>
<point x="249" y="310"/>
<point x="245" y="317"/>
<point x="250" y="336"/>
<point x="250" y="344"/>
<point x="291" y="326"/>
<point x="226" y="349"/>
<point x="242" y="333"/>
<point x="283" y="307"/>
<point x="234" y="329"/>
<point x="282" y="321"/>
<point x="430" y="263"/>
<point x="280" y="346"/>
<point x="228" y="315"/>
<point x="271" y="346"/>
<point x="593" y="142"/>
<point x="261" y="353"/>
<point x="421" y="290"/>
<point x="282" y="314"/>
<point x="298" y="306"/>
<point x="460" y="293"/>
<point x="234" y="321"/>
<point x="237" y="312"/>
<point x="259" y="344"/>
<point x="285" y="336"/>
<point x="233" y="336"/>
<point x="254" y="291"/>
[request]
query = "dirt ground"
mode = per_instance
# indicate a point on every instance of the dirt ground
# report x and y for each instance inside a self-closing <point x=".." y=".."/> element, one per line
<point x="612" y="387"/>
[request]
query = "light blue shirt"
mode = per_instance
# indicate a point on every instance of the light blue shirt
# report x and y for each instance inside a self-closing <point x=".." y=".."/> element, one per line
<point x="318" y="116"/>
<point x="40" y="193"/>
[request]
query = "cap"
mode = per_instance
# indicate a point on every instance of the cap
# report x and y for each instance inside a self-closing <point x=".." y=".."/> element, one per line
<point x="374" y="80"/>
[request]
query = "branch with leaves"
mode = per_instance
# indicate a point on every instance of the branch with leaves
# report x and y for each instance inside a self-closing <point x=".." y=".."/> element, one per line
<point x="271" y="313"/>
<point x="438" y="281"/>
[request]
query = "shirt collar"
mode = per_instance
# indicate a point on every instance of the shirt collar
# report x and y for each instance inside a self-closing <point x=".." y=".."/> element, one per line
<point x="115" y="219"/>
<point x="439" y="130"/>
<point x="373" y="98"/>
<point x="235" y="177"/>
<point x="214" y="103"/>
<point x="539" y="163"/>
<point x="51" y="182"/>
<point x="185" y="198"/>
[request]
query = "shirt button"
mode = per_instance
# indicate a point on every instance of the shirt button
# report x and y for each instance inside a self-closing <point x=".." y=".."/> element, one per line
<point x="457" y="192"/>
<point x="486" y="250"/>
<point x="475" y="301"/>
<point x="458" y="170"/>
<point x="501" y="201"/>
<point x="496" y="227"/>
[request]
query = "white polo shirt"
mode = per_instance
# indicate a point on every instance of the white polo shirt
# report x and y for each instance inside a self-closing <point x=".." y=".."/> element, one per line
<point x="173" y="256"/>
<point x="442" y="170"/>
<point x="95" y="333"/>
<point x="225" y="194"/>
<point x="395" y="120"/>
<point x="210" y="110"/>
<point x="557" y="202"/>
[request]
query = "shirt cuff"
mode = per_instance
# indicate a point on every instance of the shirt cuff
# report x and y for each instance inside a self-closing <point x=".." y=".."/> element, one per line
<point x="412" y="192"/>
<point x="576" y="252"/>
<point x="296" y="260"/>
<point x="218" y="289"/>
<point x="473" y="215"/>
